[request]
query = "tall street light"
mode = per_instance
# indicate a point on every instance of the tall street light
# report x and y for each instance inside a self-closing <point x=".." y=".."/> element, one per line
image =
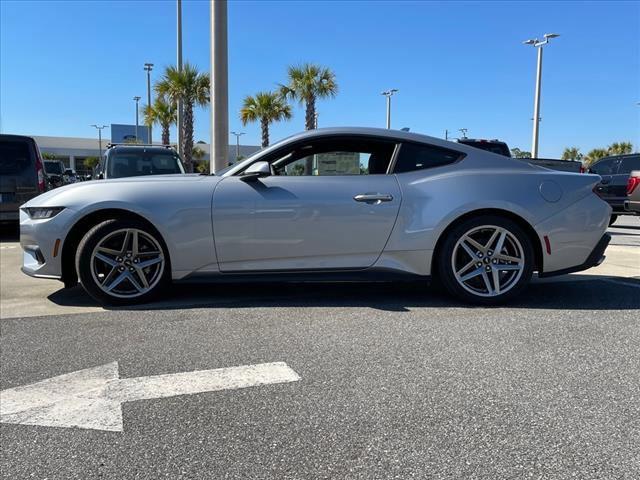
<point x="389" y="94"/>
<point x="219" y="87"/>
<point x="238" y="135"/>
<point x="536" y="103"/>
<point x="136" y="99"/>
<point x="99" y="128"/>
<point x="179" y="65"/>
<point x="148" y="67"/>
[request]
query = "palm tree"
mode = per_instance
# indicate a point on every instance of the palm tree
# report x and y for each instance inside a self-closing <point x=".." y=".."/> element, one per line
<point x="192" y="88"/>
<point x="265" y="107"/>
<point x="572" y="153"/>
<point x="307" y="83"/>
<point x="517" y="153"/>
<point x="620" y="148"/>
<point x="595" y="154"/>
<point x="162" y="113"/>
<point x="198" y="154"/>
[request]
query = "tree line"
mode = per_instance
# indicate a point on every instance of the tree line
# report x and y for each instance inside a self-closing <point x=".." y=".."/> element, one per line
<point x="616" y="148"/>
<point x="305" y="83"/>
<point x="573" y="153"/>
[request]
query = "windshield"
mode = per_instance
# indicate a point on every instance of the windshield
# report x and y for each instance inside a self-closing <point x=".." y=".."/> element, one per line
<point x="143" y="163"/>
<point x="53" y="168"/>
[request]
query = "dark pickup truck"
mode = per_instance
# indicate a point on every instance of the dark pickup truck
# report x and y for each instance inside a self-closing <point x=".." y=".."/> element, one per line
<point x="501" y="148"/>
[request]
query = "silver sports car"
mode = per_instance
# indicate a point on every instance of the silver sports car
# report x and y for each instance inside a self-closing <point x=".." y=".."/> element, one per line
<point x="339" y="203"/>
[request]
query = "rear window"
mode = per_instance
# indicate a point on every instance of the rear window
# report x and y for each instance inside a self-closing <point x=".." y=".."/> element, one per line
<point x="54" y="168"/>
<point x="15" y="157"/>
<point x="493" y="147"/>
<point x="413" y="156"/>
<point x="629" y="164"/>
<point x="147" y="163"/>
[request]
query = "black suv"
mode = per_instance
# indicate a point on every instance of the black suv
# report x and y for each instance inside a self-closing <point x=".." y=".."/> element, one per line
<point x="615" y="171"/>
<point x="125" y="160"/>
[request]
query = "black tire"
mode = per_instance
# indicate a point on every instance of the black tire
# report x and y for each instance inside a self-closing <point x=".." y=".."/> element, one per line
<point x="84" y="259"/>
<point x="613" y="219"/>
<point x="445" y="268"/>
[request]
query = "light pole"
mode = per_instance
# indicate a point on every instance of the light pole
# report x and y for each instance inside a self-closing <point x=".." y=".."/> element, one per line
<point x="389" y="94"/>
<point x="536" y="103"/>
<point x="315" y="120"/>
<point x="148" y="67"/>
<point x="136" y="99"/>
<point x="99" y="128"/>
<point x="238" y="135"/>
<point x="179" y="65"/>
<point x="219" y="87"/>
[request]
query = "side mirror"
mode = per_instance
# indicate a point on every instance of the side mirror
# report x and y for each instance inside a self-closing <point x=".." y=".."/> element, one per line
<point x="256" y="171"/>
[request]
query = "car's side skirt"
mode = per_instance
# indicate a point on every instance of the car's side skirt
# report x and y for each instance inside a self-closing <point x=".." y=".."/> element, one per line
<point x="366" y="275"/>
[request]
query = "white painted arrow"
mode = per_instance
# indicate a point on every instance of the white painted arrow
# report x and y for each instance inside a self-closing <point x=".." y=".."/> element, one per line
<point x="92" y="398"/>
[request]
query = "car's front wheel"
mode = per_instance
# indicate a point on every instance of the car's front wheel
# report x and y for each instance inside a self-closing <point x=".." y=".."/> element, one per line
<point x="486" y="260"/>
<point x="613" y="219"/>
<point x="122" y="262"/>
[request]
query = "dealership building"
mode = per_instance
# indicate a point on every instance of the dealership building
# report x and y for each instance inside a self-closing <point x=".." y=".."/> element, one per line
<point x="74" y="151"/>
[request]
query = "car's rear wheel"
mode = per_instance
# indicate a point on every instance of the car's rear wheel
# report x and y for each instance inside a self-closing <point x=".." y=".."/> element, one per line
<point x="613" y="219"/>
<point x="122" y="262"/>
<point x="486" y="260"/>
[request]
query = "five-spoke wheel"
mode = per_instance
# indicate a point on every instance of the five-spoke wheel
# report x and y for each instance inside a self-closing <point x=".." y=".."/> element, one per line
<point x="486" y="259"/>
<point x="121" y="261"/>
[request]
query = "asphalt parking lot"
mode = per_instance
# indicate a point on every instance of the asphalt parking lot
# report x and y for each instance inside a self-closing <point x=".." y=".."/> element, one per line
<point x="391" y="381"/>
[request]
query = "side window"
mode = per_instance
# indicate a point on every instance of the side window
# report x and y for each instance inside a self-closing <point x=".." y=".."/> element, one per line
<point x="604" y="167"/>
<point x="629" y="164"/>
<point x="335" y="156"/>
<point x="415" y="156"/>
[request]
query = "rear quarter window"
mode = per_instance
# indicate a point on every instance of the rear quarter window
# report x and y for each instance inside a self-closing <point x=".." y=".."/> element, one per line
<point x="15" y="157"/>
<point x="414" y="156"/>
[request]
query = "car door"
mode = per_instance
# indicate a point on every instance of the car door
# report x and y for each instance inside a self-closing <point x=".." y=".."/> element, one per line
<point x="606" y="169"/>
<point x="329" y="204"/>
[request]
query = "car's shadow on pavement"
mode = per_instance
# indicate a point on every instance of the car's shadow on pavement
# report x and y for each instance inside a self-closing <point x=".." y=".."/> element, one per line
<point x="583" y="293"/>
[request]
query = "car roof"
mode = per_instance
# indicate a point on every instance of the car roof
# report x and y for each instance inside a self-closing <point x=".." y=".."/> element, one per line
<point x="382" y="133"/>
<point x="9" y="136"/>
<point x="139" y="148"/>
<point x="609" y="157"/>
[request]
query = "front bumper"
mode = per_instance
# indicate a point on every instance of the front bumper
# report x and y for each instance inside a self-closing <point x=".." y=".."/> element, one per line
<point x="38" y="239"/>
<point x="595" y="258"/>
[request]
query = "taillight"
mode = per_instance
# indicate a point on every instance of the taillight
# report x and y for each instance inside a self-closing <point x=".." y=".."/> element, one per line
<point x="632" y="184"/>
<point x="40" y="172"/>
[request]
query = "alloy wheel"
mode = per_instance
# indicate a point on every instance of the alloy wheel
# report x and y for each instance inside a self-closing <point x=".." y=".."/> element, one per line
<point x="127" y="263"/>
<point x="488" y="261"/>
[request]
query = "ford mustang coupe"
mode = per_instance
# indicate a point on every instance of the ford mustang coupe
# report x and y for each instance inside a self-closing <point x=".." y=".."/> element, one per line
<point x="338" y="203"/>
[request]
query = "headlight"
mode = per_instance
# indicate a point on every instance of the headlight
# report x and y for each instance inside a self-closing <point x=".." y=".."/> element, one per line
<point x="40" y="213"/>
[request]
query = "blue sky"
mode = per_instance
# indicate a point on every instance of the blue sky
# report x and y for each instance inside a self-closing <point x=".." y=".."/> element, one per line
<point x="66" y="65"/>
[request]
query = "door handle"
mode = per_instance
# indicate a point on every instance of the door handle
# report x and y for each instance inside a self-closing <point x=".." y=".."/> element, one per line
<point x="373" y="198"/>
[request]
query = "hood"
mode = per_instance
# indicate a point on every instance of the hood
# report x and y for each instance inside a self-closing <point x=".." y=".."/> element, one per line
<point x="84" y="192"/>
